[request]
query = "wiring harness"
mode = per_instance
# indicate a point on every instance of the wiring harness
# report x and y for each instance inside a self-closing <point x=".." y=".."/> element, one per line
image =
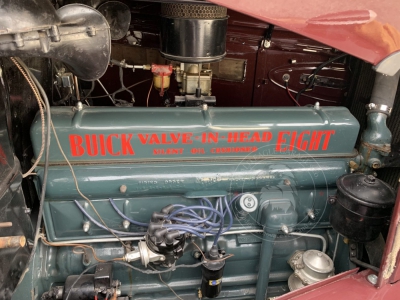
<point x="177" y="219"/>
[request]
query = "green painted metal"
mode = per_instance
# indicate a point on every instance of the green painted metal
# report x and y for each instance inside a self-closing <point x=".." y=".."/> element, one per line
<point x="288" y="182"/>
<point x="173" y="178"/>
<point x="64" y="220"/>
<point x="375" y="142"/>
<point x="61" y="262"/>
<point x="145" y="184"/>
<point x="99" y="134"/>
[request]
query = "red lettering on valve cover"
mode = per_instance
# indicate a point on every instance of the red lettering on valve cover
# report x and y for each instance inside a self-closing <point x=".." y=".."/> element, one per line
<point x="291" y="140"/>
<point x="110" y="145"/>
<point x="75" y="142"/>
<point x="126" y="144"/>
<point x="91" y="144"/>
<point x="165" y="138"/>
<point x="115" y="144"/>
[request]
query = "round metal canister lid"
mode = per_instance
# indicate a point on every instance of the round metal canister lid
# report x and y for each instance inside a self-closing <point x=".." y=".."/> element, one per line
<point x="366" y="190"/>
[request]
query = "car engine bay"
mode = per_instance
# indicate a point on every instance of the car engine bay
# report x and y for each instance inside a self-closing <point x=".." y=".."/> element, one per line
<point x="184" y="150"/>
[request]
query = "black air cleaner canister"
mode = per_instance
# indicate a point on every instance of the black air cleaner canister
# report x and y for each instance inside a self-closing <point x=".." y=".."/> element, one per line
<point x="193" y="33"/>
<point x="362" y="206"/>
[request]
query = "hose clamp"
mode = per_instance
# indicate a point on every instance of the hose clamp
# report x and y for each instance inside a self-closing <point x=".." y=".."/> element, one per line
<point x="379" y="108"/>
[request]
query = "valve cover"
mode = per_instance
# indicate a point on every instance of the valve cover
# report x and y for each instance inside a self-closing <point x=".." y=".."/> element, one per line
<point x="148" y="158"/>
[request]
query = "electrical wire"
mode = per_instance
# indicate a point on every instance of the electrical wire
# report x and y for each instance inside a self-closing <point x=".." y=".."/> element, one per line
<point x="62" y="101"/>
<point x="214" y="260"/>
<point x="199" y="227"/>
<point x="166" y="284"/>
<point x="80" y="276"/>
<point x="129" y="87"/>
<point x="125" y="217"/>
<point x="79" y="191"/>
<point x="113" y="231"/>
<point x="314" y="73"/>
<point x="148" y="95"/>
<point x="107" y="94"/>
<point x="173" y="268"/>
<point x="35" y="87"/>
<point x="41" y="106"/>
<point x="90" y="91"/>
<point x="290" y="94"/>
<point x="221" y="223"/>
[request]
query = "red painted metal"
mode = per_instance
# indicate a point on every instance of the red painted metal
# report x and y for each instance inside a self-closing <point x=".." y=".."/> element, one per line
<point x="347" y="285"/>
<point x="390" y="270"/>
<point x="367" y="29"/>
<point x="263" y="84"/>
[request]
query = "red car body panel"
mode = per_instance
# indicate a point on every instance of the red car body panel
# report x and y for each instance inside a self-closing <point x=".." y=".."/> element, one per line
<point x="347" y="285"/>
<point x="367" y="29"/>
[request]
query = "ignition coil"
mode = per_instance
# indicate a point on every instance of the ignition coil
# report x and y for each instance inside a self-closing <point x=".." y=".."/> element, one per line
<point x="212" y="269"/>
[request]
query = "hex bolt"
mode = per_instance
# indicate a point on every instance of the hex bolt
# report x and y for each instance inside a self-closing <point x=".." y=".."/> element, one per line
<point x="126" y="224"/>
<point x="204" y="106"/>
<point x="27" y="210"/>
<point x="286" y="182"/>
<point x="285" y="229"/>
<point x="376" y="165"/>
<point x="116" y="283"/>
<point x="86" y="226"/>
<point x="332" y="199"/>
<point x="196" y="254"/>
<point x="79" y="106"/>
<point x="18" y="40"/>
<point x="123" y="188"/>
<point x="316" y="105"/>
<point x="311" y="214"/>
<point x="285" y="77"/>
<point x="266" y="44"/>
<point x="372" y="278"/>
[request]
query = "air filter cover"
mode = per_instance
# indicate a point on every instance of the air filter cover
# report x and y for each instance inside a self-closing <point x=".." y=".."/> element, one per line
<point x="193" y="33"/>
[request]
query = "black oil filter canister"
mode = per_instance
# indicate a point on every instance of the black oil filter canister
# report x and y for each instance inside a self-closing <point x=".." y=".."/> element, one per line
<point x="361" y="207"/>
<point x="212" y="271"/>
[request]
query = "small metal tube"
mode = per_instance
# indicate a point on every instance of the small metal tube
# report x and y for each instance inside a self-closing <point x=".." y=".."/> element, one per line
<point x="78" y="96"/>
<point x="310" y="235"/>
<point x="363" y="264"/>
<point x="5" y="224"/>
<point x="12" y="241"/>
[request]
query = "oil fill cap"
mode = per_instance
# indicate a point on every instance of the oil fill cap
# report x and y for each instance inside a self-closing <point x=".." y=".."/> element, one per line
<point x="248" y="203"/>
